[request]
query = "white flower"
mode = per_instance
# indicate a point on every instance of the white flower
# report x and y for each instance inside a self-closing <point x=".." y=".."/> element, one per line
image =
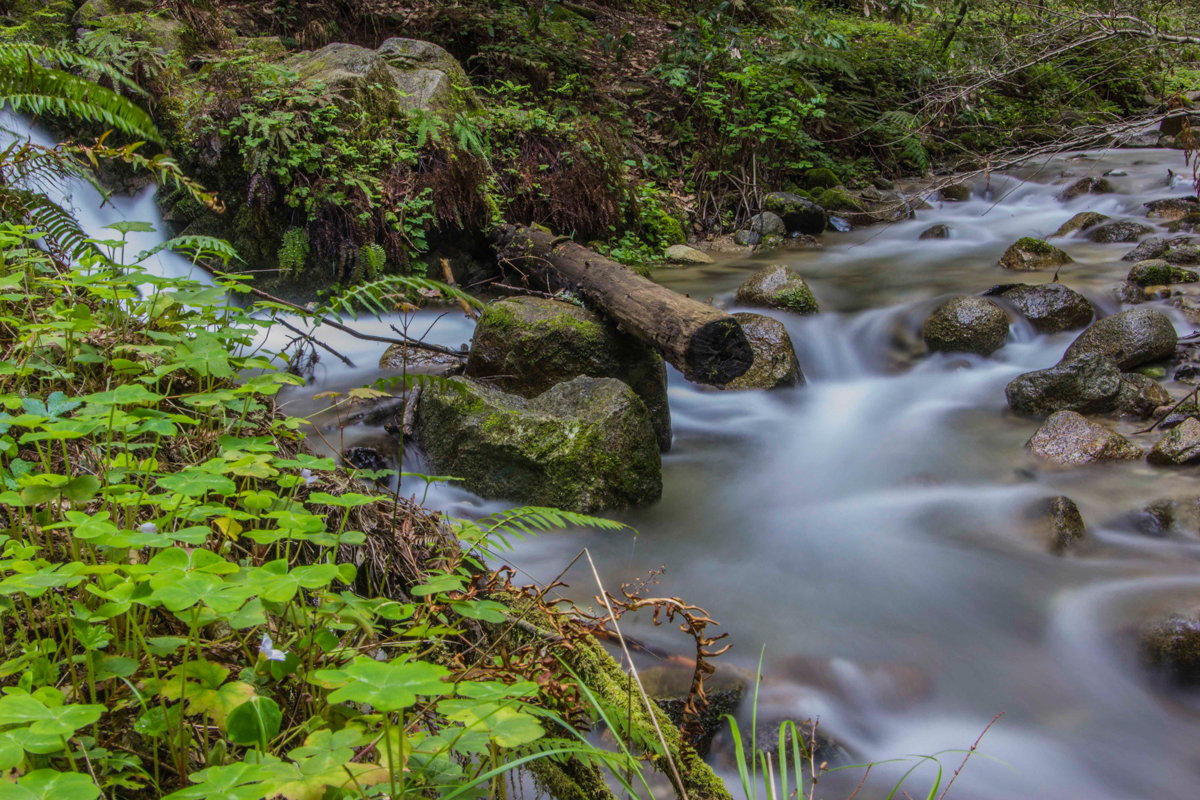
<point x="148" y="528"/>
<point x="267" y="649"/>
<point x="309" y="478"/>
<point x="735" y="53"/>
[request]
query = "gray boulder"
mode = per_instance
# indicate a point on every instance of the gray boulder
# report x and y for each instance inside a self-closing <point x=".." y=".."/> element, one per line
<point x="935" y="232"/>
<point x="777" y="287"/>
<point x="1071" y="439"/>
<point x="775" y="365"/>
<point x="1154" y="247"/>
<point x="766" y="223"/>
<point x="1128" y="293"/>
<point x="1140" y="395"/>
<point x="1085" y="186"/>
<point x="1051" y="307"/>
<point x="1087" y="384"/>
<point x="1183" y="254"/>
<point x="1141" y="140"/>
<point x="966" y="325"/>
<point x="586" y="445"/>
<point x="1157" y="272"/>
<point x="682" y="254"/>
<point x="1030" y="253"/>
<point x="799" y="214"/>
<point x="526" y="345"/>
<point x="1172" y="208"/>
<point x="1121" y="231"/>
<point x="1180" y="446"/>
<point x="1187" y="224"/>
<point x="1130" y="338"/>
<point x="1080" y="222"/>
<point x="747" y="238"/>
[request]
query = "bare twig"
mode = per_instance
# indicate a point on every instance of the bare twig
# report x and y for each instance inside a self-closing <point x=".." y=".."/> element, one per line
<point x="966" y="758"/>
<point x="314" y="340"/>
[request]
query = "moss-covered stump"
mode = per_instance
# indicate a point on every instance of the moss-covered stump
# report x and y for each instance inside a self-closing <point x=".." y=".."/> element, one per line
<point x="1030" y="253"/>
<point x="1157" y="272"/>
<point x="799" y="214"/>
<point x="777" y="287"/>
<point x="526" y="345"/>
<point x="966" y="325"/>
<point x="585" y="445"/>
<point x="775" y="365"/>
<point x="1080" y="222"/>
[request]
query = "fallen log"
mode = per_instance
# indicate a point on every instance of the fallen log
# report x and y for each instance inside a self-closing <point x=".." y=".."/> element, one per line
<point x="705" y="344"/>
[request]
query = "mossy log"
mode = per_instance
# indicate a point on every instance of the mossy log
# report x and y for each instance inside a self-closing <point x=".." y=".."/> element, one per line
<point x="705" y="344"/>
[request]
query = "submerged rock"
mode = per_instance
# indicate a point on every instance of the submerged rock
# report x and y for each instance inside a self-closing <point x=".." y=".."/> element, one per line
<point x="526" y="345"/>
<point x="1154" y="519"/>
<point x="1181" y="445"/>
<point x="1086" y="384"/>
<point x="1059" y="523"/>
<point x="1130" y="338"/>
<point x="1051" y="307"/>
<point x="1153" y="247"/>
<point x="682" y="254"/>
<point x="1122" y="231"/>
<point x="1171" y="647"/>
<point x="1171" y="208"/>
<point x="799" y="214"/>
<point x="775" y="365"/>
<point x="586" y="445"/>
<point x="1085" y="186"/>
<point x="1140" y="395"/>
<point x="1183" y="254"/>
<point x="1080" y="222"/>
<point x="955" y="192"/>
<point x="425" y="362"/>
<point x="1129" y="293"/>
<point x="778" y="287"/>
<point x="1157" y="272"/>
<point x="935" y="232"/>
<point x="1071" y="439"/>
<point x="966" y="325"/>
<point x="1186" y="224"/>
<point x="1030" y="253"/>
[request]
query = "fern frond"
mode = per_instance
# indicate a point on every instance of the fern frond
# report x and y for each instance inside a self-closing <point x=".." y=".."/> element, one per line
<point x="522" y="523"/>
<point x="57" y="226"/>
<point x="195" y="245"/>
<point x="373" y="295"/>
<point x="20" y="51"/>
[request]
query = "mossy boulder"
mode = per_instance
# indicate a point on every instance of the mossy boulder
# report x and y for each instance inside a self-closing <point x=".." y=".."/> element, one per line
<point x="1128" y="293"/>
<point x="526" y="345"/>
<point x="768" y="223"/>
<point x="1172" y="208"/>
<point x="1121" y="231"/>
<point x="1088" y="384"/>
<point x="1189" y="223"/>
<point x="820" y="178"/>
<point x="1080" y="222"/>
<point x="1086" y="186"/>
<point x="1180" y="446"/>
<point x="1130" y="338"/>
<point x="778" y="287"/>
<point x="839" y="200"/>
<point x="1051" y="307"/>
<point x="1183" y="254"/>
<point x="775" y="365"/>
<point x="1030" y="253"/>
<point x="586" y="445"/>
<point x="1154" y="247"/>
<point x="966" y="325"/>
<point x="1070" y="439"/>
<point x="1157" y="272"/>
<point x="799" y="214"/>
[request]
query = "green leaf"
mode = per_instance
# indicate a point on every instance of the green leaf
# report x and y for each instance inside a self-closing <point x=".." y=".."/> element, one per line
<point x="81" y="489"/>
<point x="205" y="691"/>
<point x="194" y="483"/>
<point x="50" y="784"/>
<point x="384" y="686"/>
<point x="17" y="709"/>
<point x="254" y="723"/>
<point x="233" y="782"/>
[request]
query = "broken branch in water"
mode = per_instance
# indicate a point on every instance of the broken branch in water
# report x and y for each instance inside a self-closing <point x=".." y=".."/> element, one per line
<point x="309" y="337"/>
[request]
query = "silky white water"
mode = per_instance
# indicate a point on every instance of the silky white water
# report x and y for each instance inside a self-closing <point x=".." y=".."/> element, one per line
<point x="868" y="528"/>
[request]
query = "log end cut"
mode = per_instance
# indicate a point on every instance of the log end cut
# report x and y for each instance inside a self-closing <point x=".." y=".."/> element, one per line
<point x="717" y="353"/>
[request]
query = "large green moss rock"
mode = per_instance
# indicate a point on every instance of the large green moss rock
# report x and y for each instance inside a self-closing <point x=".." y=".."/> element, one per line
<point x="526" y="345"/>
<point x="799" y="214"/>
<point x="778" y="287"/>
<point x="820" y="178"/>
<point x="1157" y="272"/>
<point x="775" y="364"/>
<point x="586" y="445"/>
<point x="1130" y="338"/>
<point x="1030" y="253"/>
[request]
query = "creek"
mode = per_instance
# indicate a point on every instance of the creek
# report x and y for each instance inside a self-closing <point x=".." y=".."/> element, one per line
<point x="869" y="529"/>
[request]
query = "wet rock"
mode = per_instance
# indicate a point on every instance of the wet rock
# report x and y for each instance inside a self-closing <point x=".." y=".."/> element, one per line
<point x="586" y="445"/>
<point x="682" y="254"/>
<point x="1181" y="445"/>
<point x="1085" y="186"/>
<point x="1183" y="254"/>
<point x="1030" y="253"/>
<point x="936" y="232"/>
<point x="1131" y="338"/>
<point x="1154" y="247"/>
<point x="1140" y="395"/>
<point x="1170" y="647"/>
<point x="1059" y="523"/>
<point x="1122" y="231"/>
<point x="966" y="325"/>
<point x="1140" y="140"/>
<point x="526" y="345"/>
<point x="1155" y="519"/>
<point x="1128" y="293"/>
<point x="1170" y="416"/>
<point x="955" y="192"/>
<point x="820" y="178"/>
<point x="1051" y="307"/>
<point x="1172" y="208"/>
<point x="1156" y="272"/>
<point x="367" y="458"/>
<point x="1071" y="439"/>
<point x="799" y="214"/>
<point x="1187" y="224"/>
<point x="766" y="223"/>
<point x="1080" y="222"/>
<point x="669" y="686"/>
<point x="775" y="365"/>
<point x="1001" y="288"/>
<point x="1087" y="384"/>
<point x="1190" y="306"/>
<point x="1188" y="373"/>
<point x="747" y="238"/>
<point x="423" y="362"/>
<point x="778" y="287"/>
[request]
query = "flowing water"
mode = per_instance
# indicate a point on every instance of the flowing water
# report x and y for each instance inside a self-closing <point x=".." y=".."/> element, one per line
<point x="870" y="528"/>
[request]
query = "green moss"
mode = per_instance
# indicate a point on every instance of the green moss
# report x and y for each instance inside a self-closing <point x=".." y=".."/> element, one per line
<point x="838" y="200"/>
<point x="820" y="178"/>
<point x="1030" y="245"/>
<point x="800" y="300"/>
<point x="40" y="22"/>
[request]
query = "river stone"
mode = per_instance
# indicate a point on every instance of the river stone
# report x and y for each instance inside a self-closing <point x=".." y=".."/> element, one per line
<point x="1171" y="648"/>
<point x="1071" y="439"/>
<point x="1169" y="416"/>
<point x="586" y="445"/>
<point x="936" y="232"/>
<point x="1171" y="208"/>
<point x="1190" y="306"/>
<point x="1140" y="395"/>
<point x="1131" y="338"/>
<point x="766" y="223"/>
<point x="1087" y="384"/>
<point x="1181" y="445"/>
<point x="1187" y="224"/>
<point x="1128" y="293"/>
<point x="1084" y="186"/>
<point x="669" y="685"/>
<point x="1143" y="139"/>
<point x="1030" y="253"/>
<point x="1122" y="231"/>
<point x="1188" y="373"/>
<point x="682" y="254"/>
<point x="1051" y="307"/>
<point x="955" y="192"/>
<point x="1184" y="254"/>
<point x="1080" y="222"/>
<point x="966" y="325"/>
<point x="1154" y="247"/>
<point x="747" y="238"/>
<point x="1060" y="524"/>
<point x="799" y="214"/>
<point x="775" y="365"/>
<point x="1157" y="272"/>
<point x="526" y="345"/>
<point x="425" y="362"/>
<point x="778" y="287"/>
